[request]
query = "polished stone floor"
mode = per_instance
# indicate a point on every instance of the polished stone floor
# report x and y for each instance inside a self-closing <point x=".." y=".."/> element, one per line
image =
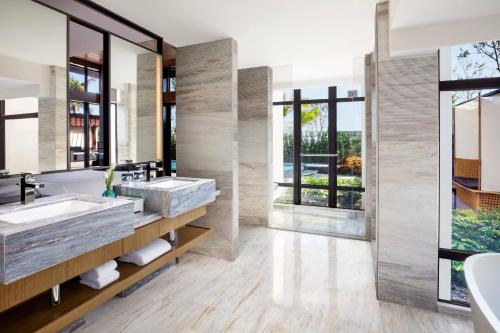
<point x="282" y="281"/>
<point x="320" y="220"/>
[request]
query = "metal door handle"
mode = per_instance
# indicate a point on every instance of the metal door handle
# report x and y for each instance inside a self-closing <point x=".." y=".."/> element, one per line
<point x="318" y="155"/>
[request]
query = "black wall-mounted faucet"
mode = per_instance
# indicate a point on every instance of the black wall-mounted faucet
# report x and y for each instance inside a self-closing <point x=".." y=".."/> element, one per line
<point x="148" y="166"/>
<point x="28" y="185"/>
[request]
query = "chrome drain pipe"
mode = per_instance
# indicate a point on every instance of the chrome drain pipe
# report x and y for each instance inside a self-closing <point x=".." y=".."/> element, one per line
<point x="55" y="295"/>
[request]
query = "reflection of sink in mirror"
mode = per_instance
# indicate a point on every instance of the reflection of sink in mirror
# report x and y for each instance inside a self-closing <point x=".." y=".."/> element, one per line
<point x="171" y="183"/>
<point x="48" y="211"/>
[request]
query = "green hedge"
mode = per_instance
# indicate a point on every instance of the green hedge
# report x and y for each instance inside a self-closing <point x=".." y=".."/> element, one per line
<point x="475" y="231"/>
<point x="348" y="143"/>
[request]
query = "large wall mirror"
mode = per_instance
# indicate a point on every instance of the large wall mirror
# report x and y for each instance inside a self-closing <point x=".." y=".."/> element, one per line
<point x="58" y="76"/>
<point x="135" y="114"/>
<point x="33" y="121"/>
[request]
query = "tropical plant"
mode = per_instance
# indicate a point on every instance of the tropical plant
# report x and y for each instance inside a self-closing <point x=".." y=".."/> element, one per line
<point x="348" y="143"/>
<point x="173" y="145"/>
<point x="75" y="84"/>
<point x="351" y="165"/>
<point x="474" y="231"/>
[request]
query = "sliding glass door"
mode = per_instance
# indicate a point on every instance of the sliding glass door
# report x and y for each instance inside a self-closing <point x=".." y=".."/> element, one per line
<point x="318" y="148"/>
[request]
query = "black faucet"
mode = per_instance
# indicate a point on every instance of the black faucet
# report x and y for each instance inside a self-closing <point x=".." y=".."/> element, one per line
<point x="147" y="166"/>
<point x="28" y="186"/>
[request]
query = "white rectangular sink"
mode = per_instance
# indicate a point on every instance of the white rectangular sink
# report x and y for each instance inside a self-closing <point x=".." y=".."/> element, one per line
<point x="67" y="208"/>
<point x="171" y="183"/>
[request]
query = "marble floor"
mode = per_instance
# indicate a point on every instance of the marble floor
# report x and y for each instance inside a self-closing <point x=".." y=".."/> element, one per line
<point x="282" y="281"/>
<point x="319" y="220"/>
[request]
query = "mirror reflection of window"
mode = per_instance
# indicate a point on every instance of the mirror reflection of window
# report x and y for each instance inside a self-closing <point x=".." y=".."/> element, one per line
<point x="84" y="87"/>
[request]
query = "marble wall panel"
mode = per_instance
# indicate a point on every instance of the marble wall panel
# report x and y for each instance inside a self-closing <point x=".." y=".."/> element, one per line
<point x="255" y="144"/>
<point x="147" y="105"/>
<point x="52" y="123"/>
<point x="207" y="134"/>
<point x="408" y="173"/>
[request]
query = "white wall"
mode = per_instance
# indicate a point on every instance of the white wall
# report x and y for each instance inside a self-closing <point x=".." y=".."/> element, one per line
<point x="21" y="136"/>
<point x="467" y="130"/>
<point x="123" y="62"/>
<point x="490" y="147"/>
<point x="35" y="33"/>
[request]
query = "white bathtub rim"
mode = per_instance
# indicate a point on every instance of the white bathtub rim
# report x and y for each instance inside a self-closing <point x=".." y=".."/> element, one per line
<point x="475" y="291"/>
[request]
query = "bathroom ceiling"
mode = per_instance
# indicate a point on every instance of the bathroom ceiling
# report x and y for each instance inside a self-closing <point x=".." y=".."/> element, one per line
<point x="324" y="41"/>
<point x="406" y="13"/>
<point x="426" y="25"/>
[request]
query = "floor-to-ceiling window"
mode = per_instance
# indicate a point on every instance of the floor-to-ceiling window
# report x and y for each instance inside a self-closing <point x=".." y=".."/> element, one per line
<point x="318" y="147"/>
<point x="470" y="164"/>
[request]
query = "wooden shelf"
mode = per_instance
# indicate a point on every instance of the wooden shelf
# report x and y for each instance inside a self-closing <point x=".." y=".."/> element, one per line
<point x="37" y="315"/>
<point x="31" y="286"/>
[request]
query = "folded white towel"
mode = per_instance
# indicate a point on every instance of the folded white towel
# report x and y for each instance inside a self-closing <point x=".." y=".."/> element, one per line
<point x="102" y="281"/>
<point x="149" y="252"/>
<point x="99" y="271"/>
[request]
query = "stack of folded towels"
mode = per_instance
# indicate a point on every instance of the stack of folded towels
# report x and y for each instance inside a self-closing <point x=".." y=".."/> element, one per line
<point x="149" y="252"/>
<point x="101" y="276"/>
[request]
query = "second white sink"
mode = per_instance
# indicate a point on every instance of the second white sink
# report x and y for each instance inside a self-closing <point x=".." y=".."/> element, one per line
<point x="67" y="208"/>
<point x="171" y="183"/>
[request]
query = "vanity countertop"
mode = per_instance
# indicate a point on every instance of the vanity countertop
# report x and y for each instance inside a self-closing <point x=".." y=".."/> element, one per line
<point x="54" y="229"/>
<point x="7" y="228"/>
<point x="171" y="196"/>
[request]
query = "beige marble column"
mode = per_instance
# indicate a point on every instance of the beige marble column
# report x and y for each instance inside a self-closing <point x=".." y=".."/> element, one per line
<point x="147" y="106"/>
<point x="408" y="173"/>
<point x="207" y="134"/>
<point x="52" y="121"/>
<point x="255" y="144"/>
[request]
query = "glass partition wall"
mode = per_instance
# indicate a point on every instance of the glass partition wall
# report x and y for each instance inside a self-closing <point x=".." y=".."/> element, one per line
<point x="469" y="161"/>
<point x="317" y="147"/>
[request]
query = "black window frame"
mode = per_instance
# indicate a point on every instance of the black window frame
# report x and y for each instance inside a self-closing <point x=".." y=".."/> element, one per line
<point x="460" y="85"/>
<point x="332" y="186"/>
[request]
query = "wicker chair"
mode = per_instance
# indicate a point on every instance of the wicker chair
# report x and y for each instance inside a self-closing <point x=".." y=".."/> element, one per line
<point x="466" y="168"/>
<point x="478" y="199"/>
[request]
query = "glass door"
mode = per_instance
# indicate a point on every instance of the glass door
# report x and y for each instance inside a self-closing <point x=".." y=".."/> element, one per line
<point x="318" y="148"/>
<point x="317" y="152"/>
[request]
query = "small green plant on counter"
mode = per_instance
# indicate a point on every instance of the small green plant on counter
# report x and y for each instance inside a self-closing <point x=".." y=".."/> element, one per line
<point x="109" y="175"/>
